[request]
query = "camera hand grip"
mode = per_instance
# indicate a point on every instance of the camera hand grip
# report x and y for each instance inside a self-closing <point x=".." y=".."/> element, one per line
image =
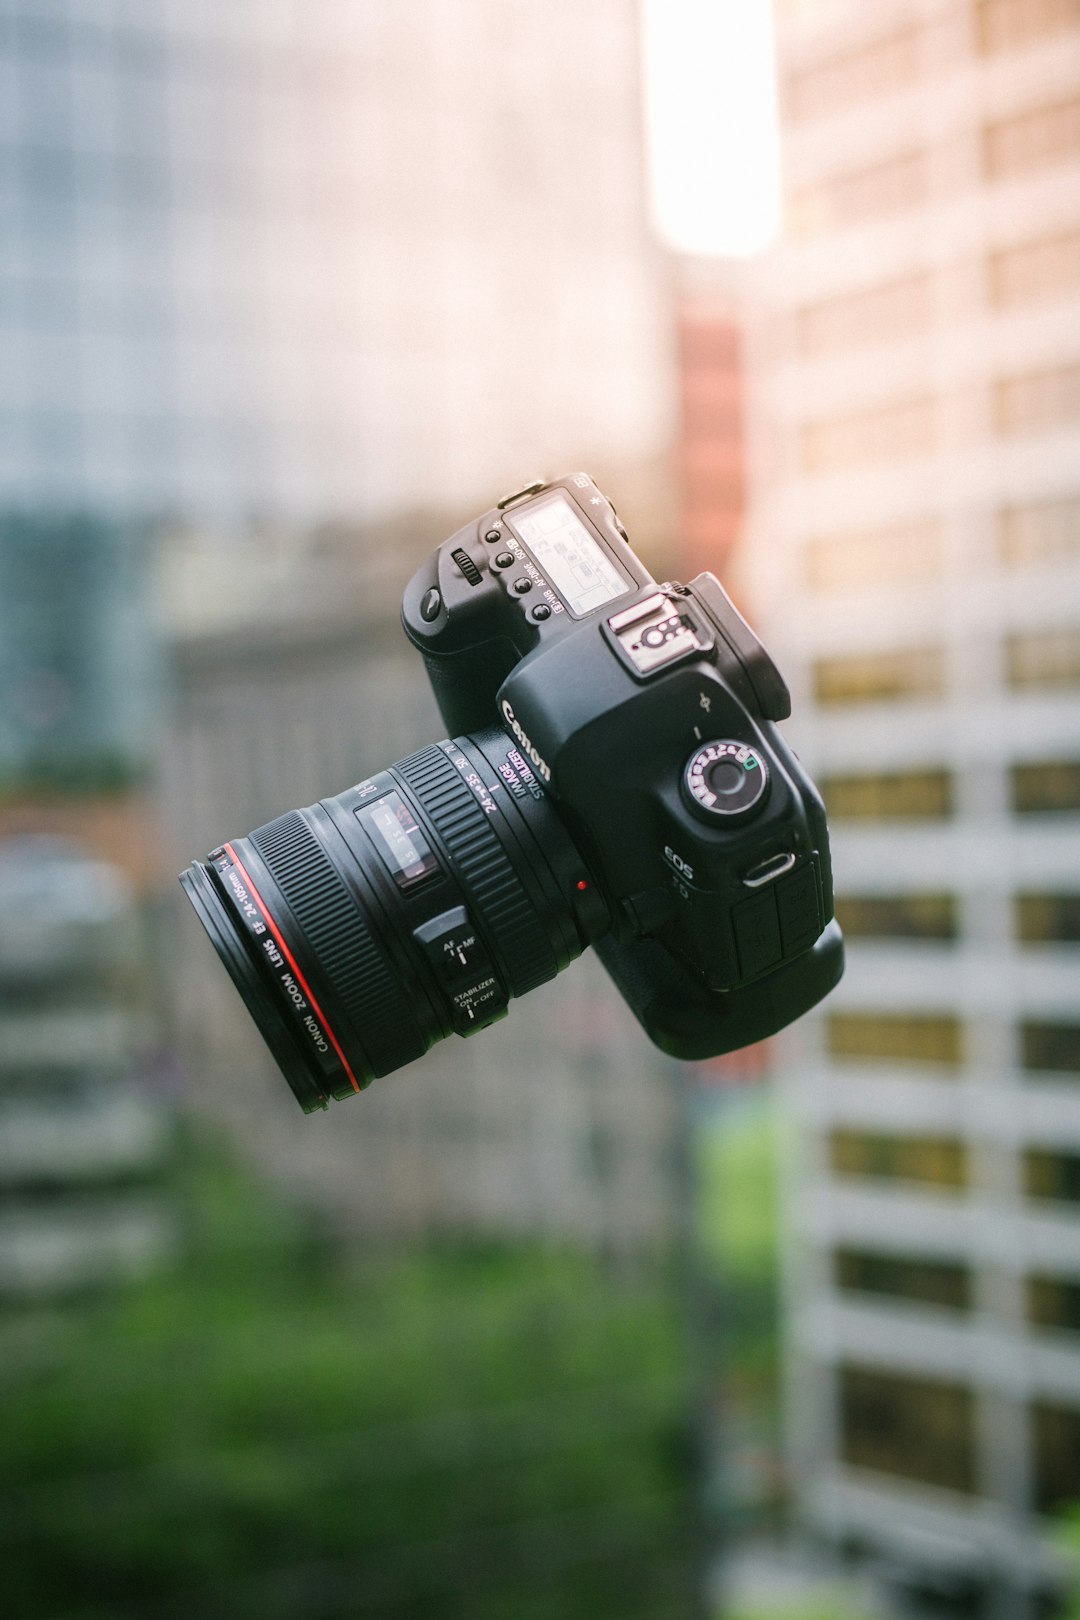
<point x="690" y="1022"/>
<point x="465" y="685"/>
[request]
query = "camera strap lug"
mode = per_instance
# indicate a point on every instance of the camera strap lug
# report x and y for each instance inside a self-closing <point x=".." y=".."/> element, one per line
<point x="769" y="870"/>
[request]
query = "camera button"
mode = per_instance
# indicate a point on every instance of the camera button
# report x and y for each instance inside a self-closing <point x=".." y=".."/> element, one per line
<point x="493" y="537"/>
<point x="431" y="606"/>
<point x="505" y="559"/>
<point x="521" y="587"/>
<point x="541" y="611"/>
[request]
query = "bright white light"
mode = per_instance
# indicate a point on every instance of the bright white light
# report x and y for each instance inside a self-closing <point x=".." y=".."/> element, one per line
<point x="713" y="139"/>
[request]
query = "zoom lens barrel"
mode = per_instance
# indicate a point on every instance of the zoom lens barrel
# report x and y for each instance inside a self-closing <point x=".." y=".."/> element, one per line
<point x="365" y="928"/>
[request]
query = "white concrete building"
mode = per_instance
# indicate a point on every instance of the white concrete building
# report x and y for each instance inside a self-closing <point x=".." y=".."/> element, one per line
<point x="914" y="555"/>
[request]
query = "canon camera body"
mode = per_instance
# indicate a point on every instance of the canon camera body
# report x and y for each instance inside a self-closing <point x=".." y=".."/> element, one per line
<point x="616" y="778"/>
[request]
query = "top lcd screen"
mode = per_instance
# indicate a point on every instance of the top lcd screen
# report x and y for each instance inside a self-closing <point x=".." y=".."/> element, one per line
<point x="576" y="564"/>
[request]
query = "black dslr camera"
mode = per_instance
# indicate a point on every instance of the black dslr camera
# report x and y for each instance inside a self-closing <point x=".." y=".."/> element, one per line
<point x="616" y="778"/>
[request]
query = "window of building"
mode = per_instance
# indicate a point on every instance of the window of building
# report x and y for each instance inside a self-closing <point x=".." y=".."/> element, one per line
<point x="907" y="554"/>
<point x="939" y="1161"/>
<point x="1038" y="400"/>
<point x="1055" y="1176"/>
<point x="897" y="916"/>
<point x="880" y="677"/>
<point x="1006" y="25"/>
<point x="1054" y="1302"/>
<point x="1032" y="140"/>
<point x="1052" y="1047"/>
<point x="919" y="1428"/>
<point x="873" y="315"/>
<point x="929" y="1282"/>
<point x="895" y="1037"/>
<point x="1049" y="532"/>
<point x="1043" y="658"/>
<point x="853" y="199"/>
<point x="890" y="796"/>
<point x="1055" y="1437"/>
<point x="1046" y="919"/>
<point x="874" y="70"/>
<point x="894" y="434"/>
<point x="1036" y="272"/>
<point x="1052" y="788"/>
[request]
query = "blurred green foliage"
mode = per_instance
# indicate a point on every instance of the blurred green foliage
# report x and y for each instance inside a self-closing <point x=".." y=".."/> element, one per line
<point x="738" y="1242"/>
<point x="1070" y="1538"/>
<point x="275" y="1431"/>
<point x="71" y="775"/>
<point x="827" y="1606"/>
<point x="739" y="1206"/>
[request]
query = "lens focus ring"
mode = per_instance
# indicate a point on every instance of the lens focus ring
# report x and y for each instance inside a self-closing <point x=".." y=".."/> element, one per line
<point x="341" y="941"/>
<point x="483" y="867"/>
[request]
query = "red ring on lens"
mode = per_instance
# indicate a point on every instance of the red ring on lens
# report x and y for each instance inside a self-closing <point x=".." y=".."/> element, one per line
<point x="279" y="941"/>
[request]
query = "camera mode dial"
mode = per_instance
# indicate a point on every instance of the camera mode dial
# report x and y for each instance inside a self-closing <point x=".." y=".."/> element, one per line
<point x="725" y="780"/>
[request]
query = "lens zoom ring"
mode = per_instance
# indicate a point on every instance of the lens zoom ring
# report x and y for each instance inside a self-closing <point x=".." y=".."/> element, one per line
<point x="340" y="940"/>
<point x="484" y="866"/>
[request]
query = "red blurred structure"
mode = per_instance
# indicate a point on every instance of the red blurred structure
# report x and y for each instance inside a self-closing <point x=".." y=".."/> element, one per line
<point x="711" y="445"/>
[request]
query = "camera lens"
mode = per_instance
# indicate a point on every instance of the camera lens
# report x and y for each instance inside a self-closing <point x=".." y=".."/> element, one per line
<point x="365" y="928"/>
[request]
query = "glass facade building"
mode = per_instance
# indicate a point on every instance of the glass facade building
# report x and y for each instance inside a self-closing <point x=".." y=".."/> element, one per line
<point x="80" y="680"/>
<point x="267" y="257"/>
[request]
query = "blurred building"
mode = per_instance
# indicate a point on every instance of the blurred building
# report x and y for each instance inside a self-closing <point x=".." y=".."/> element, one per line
<point x="84" y="1145"/>
<point x="80" y="686"/>
<point x="83" y="1148"/>
<point x="331" y="258"/>
<point x="79" y="675"/>
<point x="914" y="369"/>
